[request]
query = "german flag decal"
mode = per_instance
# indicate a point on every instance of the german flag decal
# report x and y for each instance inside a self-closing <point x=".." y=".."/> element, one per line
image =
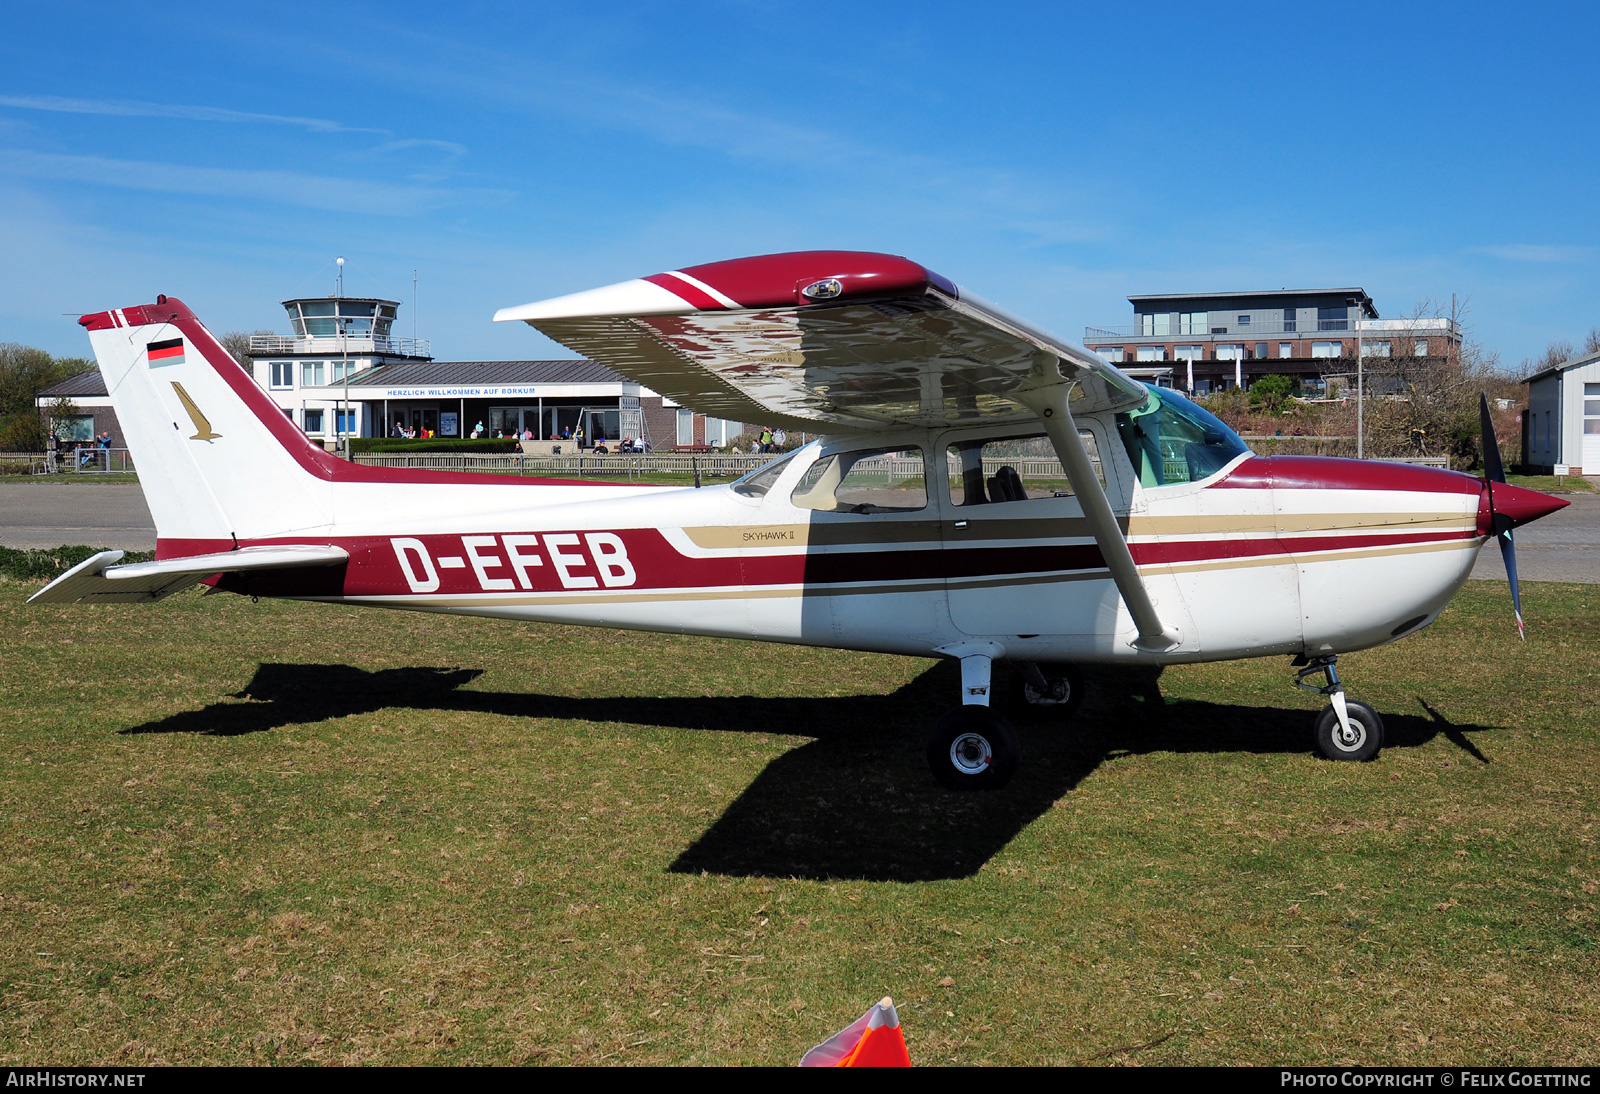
<point x="169" y="352"/>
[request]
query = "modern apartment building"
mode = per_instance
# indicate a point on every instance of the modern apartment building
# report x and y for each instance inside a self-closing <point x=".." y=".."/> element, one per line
<point x="1204" y="342"/>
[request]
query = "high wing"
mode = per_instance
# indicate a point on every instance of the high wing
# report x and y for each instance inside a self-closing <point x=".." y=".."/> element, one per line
<point x="828" y="341"/>
<point x="98" y="580"/>
<point x="824" y="341"/>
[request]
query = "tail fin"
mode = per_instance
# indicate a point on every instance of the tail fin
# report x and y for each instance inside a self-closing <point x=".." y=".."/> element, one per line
<point x="218" y="460"/>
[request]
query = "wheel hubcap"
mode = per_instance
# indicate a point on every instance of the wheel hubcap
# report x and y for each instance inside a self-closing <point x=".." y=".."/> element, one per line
<point x="1350" y="740"/>
<point x="971" y="754"/>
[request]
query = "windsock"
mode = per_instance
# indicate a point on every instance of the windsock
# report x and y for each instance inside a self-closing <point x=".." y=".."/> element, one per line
<point x="873" y="1040"/>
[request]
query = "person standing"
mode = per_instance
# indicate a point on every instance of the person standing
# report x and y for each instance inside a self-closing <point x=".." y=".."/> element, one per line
<point x="779" y="439"/>
<point x="51" y="447"/>
<point x="766" y="439"/>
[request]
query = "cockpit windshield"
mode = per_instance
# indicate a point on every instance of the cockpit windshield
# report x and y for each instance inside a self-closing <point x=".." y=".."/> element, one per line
<point x="1171" y="440"/>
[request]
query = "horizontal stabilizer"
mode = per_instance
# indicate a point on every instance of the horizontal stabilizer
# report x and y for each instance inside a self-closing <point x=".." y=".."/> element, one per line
<point x="99" y="580"/>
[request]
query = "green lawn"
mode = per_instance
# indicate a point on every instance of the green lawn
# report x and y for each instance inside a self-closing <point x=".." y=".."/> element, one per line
<point x="100" y="477"/>
<point x="1570" y="483"/>
<point x="241" y="833"/>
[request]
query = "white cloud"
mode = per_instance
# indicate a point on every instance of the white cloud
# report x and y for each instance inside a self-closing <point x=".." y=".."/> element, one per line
<point x="280" y="187"/>
<point x="1535" y="252"/>
<point x="132" y="109"/>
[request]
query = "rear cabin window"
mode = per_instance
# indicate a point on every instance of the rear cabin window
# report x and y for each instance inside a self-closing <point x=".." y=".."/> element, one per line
<point x="991" y="470"/>
<point x="885" y="480"/>
<point x="1170" y="440"/>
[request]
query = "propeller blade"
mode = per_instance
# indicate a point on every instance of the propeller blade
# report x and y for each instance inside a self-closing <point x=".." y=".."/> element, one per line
<point x="1493" y="469"/>
<point x="1508" y="553"/>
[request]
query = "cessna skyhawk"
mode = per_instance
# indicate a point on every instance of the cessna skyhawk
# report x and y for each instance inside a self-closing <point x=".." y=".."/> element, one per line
<point x="982" y="491"/>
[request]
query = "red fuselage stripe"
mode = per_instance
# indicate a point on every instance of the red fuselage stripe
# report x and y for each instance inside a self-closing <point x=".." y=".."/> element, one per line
<point x="573" y="560"/>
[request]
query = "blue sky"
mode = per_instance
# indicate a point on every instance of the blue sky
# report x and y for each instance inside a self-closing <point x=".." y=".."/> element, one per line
<point x="1053" y="158"/>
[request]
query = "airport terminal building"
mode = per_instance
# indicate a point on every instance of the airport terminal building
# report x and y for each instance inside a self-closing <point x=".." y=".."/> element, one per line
<point x="341" y="372"/>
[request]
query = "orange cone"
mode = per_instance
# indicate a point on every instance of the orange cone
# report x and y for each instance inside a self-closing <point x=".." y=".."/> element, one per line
<point x="873" y="1040"/>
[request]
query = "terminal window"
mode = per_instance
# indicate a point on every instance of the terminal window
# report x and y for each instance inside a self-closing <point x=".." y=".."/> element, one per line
<point x="282" y="374"/>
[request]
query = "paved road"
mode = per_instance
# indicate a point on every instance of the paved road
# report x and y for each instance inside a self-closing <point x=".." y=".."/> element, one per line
<point x="41" y="515"/>
<point x="1564" y="546"/>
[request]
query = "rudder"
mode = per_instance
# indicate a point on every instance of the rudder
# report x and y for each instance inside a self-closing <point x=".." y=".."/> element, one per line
<point x="218" y="460"/>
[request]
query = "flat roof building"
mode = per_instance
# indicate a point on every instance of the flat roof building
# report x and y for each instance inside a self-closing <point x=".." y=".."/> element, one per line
<point x="1204" y="342"/>
<point x="1561" y="425"/>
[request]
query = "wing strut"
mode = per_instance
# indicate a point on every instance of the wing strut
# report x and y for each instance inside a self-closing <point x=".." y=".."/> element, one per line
<point x="1050" y="403"/>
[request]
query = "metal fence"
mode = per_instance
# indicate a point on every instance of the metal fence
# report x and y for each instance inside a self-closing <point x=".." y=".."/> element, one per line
<point x="895" y="468"/>
<point x="579" y="465"/>
<point x="266" y="345"/>
<point x="85" y="461"/>
<point x="100" y="461"/>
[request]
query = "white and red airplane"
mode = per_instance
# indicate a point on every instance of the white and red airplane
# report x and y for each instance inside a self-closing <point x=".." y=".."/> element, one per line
<point x="932" y="519"/>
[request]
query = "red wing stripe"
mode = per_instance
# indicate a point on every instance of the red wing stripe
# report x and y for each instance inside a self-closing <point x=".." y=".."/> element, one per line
<point x="690" y="294"/>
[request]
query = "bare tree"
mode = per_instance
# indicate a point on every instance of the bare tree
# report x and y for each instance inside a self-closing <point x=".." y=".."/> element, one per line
<point x="1591" y="344"/>
<point x="237" y="343"/>
<point x="1427" y="405"/>
<point x="1556" y="353"/>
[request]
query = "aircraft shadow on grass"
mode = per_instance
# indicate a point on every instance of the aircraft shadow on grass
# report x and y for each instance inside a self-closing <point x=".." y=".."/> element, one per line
<point x="856" y="801"/>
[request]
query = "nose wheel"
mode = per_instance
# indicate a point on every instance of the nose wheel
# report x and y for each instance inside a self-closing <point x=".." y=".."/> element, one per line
<point x="1346" y="729"/>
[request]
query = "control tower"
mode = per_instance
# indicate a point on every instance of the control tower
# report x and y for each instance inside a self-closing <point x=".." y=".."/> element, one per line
<point x="332" y="337"/>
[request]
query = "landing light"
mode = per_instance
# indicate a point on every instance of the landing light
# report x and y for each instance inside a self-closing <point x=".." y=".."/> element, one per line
<point x="826" y="289"/>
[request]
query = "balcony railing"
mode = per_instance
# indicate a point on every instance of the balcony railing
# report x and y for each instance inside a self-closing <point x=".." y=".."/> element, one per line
<point x="264" y="345"/>
<point x="1272" y="328"/>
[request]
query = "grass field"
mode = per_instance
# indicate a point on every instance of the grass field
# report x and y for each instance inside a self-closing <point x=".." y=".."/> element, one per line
<point x="240" y="833"/>
<point x="1570" y="484"/>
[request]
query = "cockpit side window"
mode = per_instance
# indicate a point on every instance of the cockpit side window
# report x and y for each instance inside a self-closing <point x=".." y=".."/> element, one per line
<point x="1170" y="440"/>
<point x="1016" y="468"/>
<point x="885" y="480"/>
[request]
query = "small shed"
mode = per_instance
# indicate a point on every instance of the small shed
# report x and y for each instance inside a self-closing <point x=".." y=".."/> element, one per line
<point x="1561" y="425"/>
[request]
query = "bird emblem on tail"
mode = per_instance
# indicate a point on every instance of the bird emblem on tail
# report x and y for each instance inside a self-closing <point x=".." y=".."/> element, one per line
<point x="202" y="427"/>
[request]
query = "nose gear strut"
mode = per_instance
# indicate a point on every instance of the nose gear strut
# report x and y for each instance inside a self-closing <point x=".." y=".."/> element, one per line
<point x="1346" y="730"/>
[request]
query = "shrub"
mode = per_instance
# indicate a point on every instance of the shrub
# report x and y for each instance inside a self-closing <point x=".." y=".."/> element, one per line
<point x="1272" y="393"/>
<point x="54" y="561"/>
<point x="487" y="446"/>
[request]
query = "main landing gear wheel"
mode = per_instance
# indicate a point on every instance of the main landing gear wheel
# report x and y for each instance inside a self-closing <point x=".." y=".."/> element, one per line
<point x="1053" y="690"/>
<point x="973" y="748"/>
<point x="1360" y="743"/>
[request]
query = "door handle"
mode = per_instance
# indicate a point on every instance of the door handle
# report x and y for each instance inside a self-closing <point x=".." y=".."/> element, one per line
<point x="961" y="524"/>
